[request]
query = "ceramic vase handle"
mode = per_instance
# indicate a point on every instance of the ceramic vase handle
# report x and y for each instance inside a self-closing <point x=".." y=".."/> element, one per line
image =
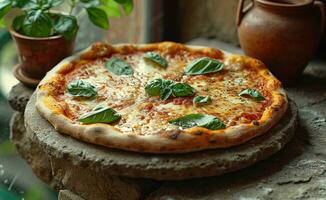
<point x="241" y="12"/>
<point x="321" y="6"/>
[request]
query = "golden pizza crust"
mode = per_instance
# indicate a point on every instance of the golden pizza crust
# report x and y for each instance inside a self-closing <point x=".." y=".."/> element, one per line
<point x="163" y="141"/>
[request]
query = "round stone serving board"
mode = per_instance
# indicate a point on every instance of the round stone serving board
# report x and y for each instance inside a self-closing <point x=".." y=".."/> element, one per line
<point x="159" y="166"/>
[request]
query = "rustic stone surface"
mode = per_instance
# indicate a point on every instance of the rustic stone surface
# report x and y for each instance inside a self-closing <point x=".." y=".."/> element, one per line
<point x="68" y="195"/>
<point x="159" y="167"/>
<point x="19" y="96"/>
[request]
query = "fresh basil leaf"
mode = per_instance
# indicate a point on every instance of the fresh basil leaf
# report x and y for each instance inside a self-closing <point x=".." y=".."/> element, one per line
<point x="156" y="58"/>
<point x="214" y="124"/>
<point x="165" y="94"/>
<point x="91" y="3"/>
<point x="45" y="5"/>
<point x="159" y="87"/>
<point x="182" y="90"/>
<point x="2" y="23"/>
<point x="98" y="17"/>
<point x="154" y="87"/>
<point x="121" y="1"/>
<point x="37" y="24"/>
<point x="200" y="120"/>
<point x="127" y="5"/>
<point x="17" y="23"/>
<point x="201" y="100"/>
<point x="26" y="5"/>
<point x="66" y="25"/>
<point x="55" y="3"/>
<point x="100" y="115"/>
<point x="81" y="88"/>
<point x="111" y="8"/>
<point x="119" y="66"/>
<point x="253" y="94"/>
<point x="203" y="65"/>
<point x="166" y="88"/>
<point x="5" y="6"/>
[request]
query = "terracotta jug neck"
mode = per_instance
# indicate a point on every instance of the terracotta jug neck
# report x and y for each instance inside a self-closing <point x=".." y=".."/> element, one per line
<point x="285" y="5"/>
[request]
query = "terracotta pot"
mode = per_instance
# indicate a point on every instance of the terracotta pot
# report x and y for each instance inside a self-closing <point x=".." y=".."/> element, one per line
<point x="284" y="34"/>
<point x="39" y="55"/>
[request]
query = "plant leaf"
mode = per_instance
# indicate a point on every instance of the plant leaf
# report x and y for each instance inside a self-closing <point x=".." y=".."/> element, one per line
<point x="2" y="23"/>
<point x="81" y="88"/>
<point x="111" y="8"/>
<point x="119" y="66"/>
<point x="37" y="24"/>
<point x="253" y="94"/>
<point x="17" y="23"/>
<point x="26" y="5"/>
<point x="66" y="25"/>
<point x="5" y="6"/>
<point x="200" y="120"/>
<point x="201" y="100"/>
<point x="98" y="17"/>
<point x="127" y="5"/>
<point x="203" y="65"/>
<point x="182" y="90"/>
<point x="156" y="58"/>
<point x="100" y="115"/>
<point x="121" y="1"/>
<point x="91" y="3"/>
<point x="45" y="5"/>
<point x="55" y="3"/>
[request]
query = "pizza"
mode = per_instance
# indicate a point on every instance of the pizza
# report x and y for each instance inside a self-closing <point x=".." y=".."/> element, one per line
<point x="161" y="98"/>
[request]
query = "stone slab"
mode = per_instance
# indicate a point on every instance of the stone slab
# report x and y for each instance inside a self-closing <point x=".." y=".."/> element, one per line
<point x="298" y="172"/>
<point x="19" y="96"/>
<point x="158" y="166"/>
<point x="61" y="173"/>
<point x="68" y="195"/>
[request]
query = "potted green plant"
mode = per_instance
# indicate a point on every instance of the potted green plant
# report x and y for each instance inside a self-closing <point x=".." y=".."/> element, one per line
<point x="44" y="35"/>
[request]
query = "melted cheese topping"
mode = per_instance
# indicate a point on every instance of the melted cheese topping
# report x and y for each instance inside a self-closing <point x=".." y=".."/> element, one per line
<point x="142" y="114"/>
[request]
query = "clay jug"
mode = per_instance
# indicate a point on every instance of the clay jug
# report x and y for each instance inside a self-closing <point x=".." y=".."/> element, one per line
<point x="284" y="34"/>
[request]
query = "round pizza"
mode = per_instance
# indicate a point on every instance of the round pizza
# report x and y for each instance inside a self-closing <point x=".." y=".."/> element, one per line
<point x="161" y="98"/>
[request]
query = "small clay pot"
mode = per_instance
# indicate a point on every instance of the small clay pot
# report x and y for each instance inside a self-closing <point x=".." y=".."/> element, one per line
<point x="284" y="34"/>
<point x="39" y="55"/>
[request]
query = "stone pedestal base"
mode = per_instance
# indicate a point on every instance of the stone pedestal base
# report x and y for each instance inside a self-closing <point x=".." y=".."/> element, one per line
<point x="68" y="195"/>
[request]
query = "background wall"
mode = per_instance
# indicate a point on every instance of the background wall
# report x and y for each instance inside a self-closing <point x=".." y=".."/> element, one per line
<point x="175" y="20"/>
<point x="188" y="19"/>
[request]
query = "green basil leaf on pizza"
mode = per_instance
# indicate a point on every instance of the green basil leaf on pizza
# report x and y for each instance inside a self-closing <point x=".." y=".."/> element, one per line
<point x="165" y="94"/>
<point x="256" y="95"/>
<point x="119" y="67"/>
<point x="81" y="88"/>
<point x="100" y="115"/>
<point x="202" y="100"/>
<point x="167" y="88"/>
<point x="204" y="65"/>
<point x="182" y="90"/>
<point x="156" y="58"/>
<point x="157" y="86"/>
<point x="199" y="120"/>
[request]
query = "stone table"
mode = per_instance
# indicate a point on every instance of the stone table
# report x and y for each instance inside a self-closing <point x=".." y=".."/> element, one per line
<point x="296" y="172"/>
